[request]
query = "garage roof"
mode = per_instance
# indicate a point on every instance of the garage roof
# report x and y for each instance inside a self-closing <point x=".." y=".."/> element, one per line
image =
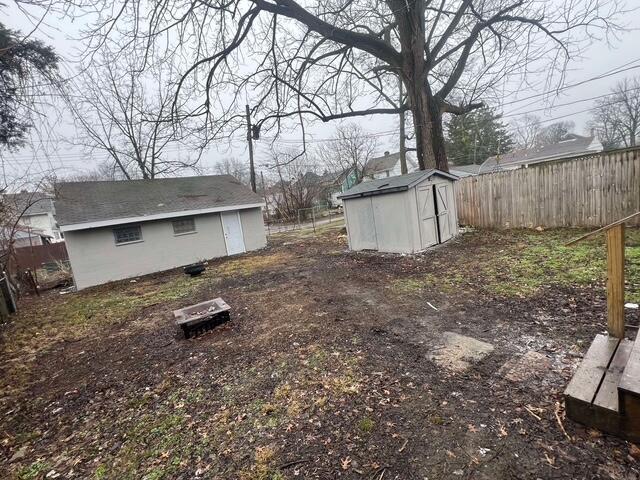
<point x="399" y="183"/>
<point x="81" y="205"/>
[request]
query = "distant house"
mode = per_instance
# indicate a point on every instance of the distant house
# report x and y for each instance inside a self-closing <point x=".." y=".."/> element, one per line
<point x="387" y="165"/>
<point x="122" y="229"/>
<point x="328" y="186"/>
<point x="29" y="237"/>
<point x="36" y="211"/>
<point x="572" y="146"/>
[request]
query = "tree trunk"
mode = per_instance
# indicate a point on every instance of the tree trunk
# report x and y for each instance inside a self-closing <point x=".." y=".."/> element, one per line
<point x="427" y="122"/>
<point x="427" y="119"/>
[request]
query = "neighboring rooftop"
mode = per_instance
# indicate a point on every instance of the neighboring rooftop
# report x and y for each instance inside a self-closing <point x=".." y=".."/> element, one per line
<point x="398" y="183"/>
<point x="573" y="145"/>
<point x="465" y="170"/>
<point x="103" y="202"/>
<point x="30" y="203"/>
<point x="327" y="178"/>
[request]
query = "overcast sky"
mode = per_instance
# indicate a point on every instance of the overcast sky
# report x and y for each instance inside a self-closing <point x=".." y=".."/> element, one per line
<point x="67" y="159"/>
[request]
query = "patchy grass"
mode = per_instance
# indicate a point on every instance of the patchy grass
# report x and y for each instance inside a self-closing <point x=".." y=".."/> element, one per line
<point x="263" y="468"/>
<point x="34" y="471"/>
<point x="71" y="316"/>
<point x="366" y="425"/>
<point x="530" y="261"/>
<point x="308" y="232"/>
<point x="253" y="264"/>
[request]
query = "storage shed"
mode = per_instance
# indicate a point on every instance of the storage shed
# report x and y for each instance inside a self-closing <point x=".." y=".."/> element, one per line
<point x="402" y="214"/>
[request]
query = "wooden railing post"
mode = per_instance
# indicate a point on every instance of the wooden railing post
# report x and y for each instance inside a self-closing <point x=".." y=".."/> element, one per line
<point x="615" y="280"/>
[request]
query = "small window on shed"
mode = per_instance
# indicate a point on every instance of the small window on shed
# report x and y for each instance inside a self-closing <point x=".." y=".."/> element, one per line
<point x="184" y="225"/>
<point x="127" y="234"/>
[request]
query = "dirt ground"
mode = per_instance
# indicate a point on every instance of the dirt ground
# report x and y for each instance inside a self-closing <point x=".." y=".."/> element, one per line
<point x="335" y="364"/>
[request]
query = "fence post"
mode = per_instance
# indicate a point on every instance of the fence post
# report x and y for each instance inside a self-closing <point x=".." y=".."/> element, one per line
<point x="4" y="311"/>
<point x="615" y="281"/>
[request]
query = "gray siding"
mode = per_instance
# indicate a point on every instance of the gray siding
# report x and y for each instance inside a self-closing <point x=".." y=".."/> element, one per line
<point x="253" y="228"/>
<point x="360" y="224"/>
<point x="392" y="219"/>
<point x="96" y="259"/>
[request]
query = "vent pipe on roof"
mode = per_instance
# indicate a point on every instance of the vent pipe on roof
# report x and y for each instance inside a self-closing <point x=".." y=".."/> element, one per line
<point x="386" y="154"/>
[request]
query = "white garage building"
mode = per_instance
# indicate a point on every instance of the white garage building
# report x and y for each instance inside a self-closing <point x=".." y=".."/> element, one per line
<point x="402" y="214"/>
<point x="121" y="229"/>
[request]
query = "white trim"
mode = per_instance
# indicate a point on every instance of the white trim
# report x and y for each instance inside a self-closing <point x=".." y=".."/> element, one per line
<point x="129" y="243"/>
<point x="192" y="232"/>
<point x="157" y="216"/>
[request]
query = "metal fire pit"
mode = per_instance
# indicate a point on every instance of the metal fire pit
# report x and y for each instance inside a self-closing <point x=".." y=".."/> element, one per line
<point x="199" y="318"/>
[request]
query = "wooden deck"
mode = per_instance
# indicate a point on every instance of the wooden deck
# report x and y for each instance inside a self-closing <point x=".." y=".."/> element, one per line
<point x="604" y="393"/>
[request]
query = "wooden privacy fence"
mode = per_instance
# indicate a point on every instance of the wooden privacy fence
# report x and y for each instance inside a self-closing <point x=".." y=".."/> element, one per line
<point x="589" y="191"/>
<point x="37" y="256"/>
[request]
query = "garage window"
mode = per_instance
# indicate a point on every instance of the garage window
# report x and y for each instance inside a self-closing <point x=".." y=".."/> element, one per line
<point x="184" y="225"/>
<point x="124" y="235"/>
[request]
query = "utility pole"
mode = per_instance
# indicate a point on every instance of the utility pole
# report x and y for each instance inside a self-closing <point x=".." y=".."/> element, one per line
<point x="475" y="145"/>
<point x="403" y="150"/>
<point x="264" y="194"/>
<point x="252" y="171"/>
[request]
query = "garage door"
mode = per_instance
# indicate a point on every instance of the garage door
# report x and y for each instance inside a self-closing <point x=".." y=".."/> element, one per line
<point x="427" y="216"/>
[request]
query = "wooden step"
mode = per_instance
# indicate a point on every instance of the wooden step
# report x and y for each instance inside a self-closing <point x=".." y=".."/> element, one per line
<point x="630" y="380"/>
<point x="629" y="392"/>
<point x="594" y="397"/>
<point x="607" y="396"/>
<point x="585" y="383"/>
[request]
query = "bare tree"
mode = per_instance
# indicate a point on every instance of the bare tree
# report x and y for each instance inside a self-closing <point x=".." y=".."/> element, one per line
<point x="234" y="167"/>
<point x="337" y="59"/>
<point x="350" y="150"/>
<point x="296" y="184"/>
<point x="13" y="207"/>
<point x="554" y="133"/>
<point x="616" y="118"/>
<point x="529" y="132"/>
<point x="525" y="131"/>
<point x="125" y="113"/>
<point x="105" y="171"/>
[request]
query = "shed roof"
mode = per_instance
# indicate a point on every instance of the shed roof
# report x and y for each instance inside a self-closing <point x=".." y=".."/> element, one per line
<point x="398" y="183"/>
<point x="100" y="203"/>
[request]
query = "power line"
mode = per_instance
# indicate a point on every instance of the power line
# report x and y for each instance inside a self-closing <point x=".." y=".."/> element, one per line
<point x="577" y="84"/>
<point x="14" y="160"/>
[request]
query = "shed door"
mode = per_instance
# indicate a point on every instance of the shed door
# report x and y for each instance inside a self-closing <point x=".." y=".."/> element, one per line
<point x="232" y="229"/>
<point x="427" y="216"/>
<point x="444" y="214"/>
